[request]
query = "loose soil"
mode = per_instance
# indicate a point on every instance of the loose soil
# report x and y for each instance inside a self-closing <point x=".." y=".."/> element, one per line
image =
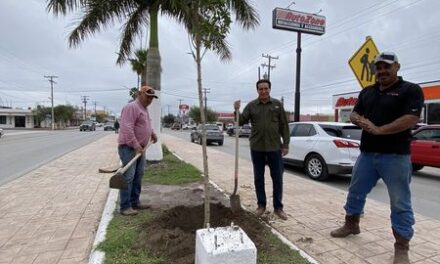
<point x="171" y="234"/>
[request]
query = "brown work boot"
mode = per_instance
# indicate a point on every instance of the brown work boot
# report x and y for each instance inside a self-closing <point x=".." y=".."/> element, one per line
<point x="401" y="248"/>
<point x="351" y="226"/>
<point x="129" y="211"/>
<point x="260" y="210"/>
<point x="281" y="214"/>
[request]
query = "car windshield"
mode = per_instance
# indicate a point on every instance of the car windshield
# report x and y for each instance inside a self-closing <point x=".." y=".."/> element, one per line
<point x="246" y="126"/>
<point x="212" y="127"/>
<point x="87" y="122"/>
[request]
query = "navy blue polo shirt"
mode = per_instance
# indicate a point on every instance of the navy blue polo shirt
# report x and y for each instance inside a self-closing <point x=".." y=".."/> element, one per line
<point x="383" y="107"/>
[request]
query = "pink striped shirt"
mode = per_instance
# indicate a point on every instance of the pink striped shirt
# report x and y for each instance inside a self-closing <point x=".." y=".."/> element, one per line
<point x="135" y="125"/>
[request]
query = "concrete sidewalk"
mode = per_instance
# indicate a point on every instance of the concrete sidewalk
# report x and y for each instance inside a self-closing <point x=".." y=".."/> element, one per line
<point x="51" y="214"/>
<point x="314" y="210"/>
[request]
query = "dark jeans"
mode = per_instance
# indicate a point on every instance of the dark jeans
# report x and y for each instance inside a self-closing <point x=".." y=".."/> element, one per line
<point x="275" y="162"/>
<point x="133" y="177"/>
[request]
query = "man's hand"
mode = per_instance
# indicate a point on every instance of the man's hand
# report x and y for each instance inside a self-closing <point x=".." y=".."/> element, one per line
<point x="368" y="126"/>
<point x="139" y="150"/>
<point x="237" y="105"/>
<point x="284" y="151"/>
<point x="154" y="138"/>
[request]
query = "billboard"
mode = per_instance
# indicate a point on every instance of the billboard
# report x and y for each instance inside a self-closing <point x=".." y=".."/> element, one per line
<point x="291" y="20"/>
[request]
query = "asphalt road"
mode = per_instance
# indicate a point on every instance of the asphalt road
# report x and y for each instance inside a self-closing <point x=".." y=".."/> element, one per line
<point x="425" y="183"/>
<point x="24" y="150"/>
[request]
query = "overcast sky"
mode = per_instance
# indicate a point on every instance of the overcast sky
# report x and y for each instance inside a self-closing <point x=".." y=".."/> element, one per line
<point x="34" y="44"/>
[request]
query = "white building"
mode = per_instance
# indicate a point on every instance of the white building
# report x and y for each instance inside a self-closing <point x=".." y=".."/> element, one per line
<point x="12" y="118"/>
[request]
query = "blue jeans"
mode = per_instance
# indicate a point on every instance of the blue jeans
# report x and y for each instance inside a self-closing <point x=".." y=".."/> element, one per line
<point x="133" y="177"/>
<point x="395" y="170"/>
<point x="275" y="162"/>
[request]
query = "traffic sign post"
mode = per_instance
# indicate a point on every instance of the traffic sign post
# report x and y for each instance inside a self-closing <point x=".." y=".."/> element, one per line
<point x="362" y="63"/>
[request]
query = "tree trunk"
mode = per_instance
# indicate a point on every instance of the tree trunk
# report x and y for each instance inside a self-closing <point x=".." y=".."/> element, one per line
<point x="198" y="45"/>
<point x="152" y="78"/>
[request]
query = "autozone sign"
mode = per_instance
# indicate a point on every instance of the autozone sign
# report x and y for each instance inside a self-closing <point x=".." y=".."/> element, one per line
<point x="345" y="101"/>
<point x="287" y="19"/>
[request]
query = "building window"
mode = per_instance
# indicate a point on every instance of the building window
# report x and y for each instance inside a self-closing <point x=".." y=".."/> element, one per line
<point x="3" y="120"/>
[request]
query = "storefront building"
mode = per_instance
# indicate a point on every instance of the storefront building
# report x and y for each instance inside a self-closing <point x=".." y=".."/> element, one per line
<point x="13" y="118"/>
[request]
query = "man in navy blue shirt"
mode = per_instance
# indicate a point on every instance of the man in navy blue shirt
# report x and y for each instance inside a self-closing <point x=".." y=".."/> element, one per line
<point x="386" y="111"/>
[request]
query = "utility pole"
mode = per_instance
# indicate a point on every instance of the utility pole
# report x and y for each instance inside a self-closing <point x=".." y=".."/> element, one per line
<point x="269" y="66"/>
<point x="94" y="103"/>
<point x="205" y="91"/>
<point x="84" y="99"/>
<point x="51" y="77"/>
<point x="168" y="109"/>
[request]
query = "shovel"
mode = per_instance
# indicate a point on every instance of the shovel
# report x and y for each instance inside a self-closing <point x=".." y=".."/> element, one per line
<point x="117" y="181"/>
<point x="235" y="198"/>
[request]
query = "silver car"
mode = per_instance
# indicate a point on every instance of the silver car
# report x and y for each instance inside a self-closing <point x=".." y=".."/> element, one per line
<point x="213" y="134"/>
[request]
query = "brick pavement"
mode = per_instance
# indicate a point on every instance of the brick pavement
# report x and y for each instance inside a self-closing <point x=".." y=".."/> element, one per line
<point x="51" y="214"/>
<point x="314" y="210"/>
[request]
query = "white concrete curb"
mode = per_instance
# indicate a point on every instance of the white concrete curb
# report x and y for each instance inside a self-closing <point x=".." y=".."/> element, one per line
<point x="96" y="256"/>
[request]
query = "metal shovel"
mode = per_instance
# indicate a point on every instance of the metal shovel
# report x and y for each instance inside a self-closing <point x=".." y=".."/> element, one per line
<point x="235" y="198"/>
<point x="117" y="180"/>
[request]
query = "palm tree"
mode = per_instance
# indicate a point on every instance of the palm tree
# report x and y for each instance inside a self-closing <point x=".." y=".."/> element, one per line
<point x="138" y="65"/>
<point x="135" y="14"/>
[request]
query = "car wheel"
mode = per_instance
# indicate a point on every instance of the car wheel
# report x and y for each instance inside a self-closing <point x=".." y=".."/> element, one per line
<point x="220" y="143"/>
<point x="199" y="140"/>
<point x="417" y="167"/>
<point x="192" y="139"/>
<point x="316" y="168"/>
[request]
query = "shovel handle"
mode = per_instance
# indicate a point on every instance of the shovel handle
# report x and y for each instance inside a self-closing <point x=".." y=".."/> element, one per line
<point x="128" y="165"/>
<point x="237" y="125"/>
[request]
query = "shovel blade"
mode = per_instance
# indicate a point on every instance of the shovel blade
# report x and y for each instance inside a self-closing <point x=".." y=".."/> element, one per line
<point x="235" y="203"/>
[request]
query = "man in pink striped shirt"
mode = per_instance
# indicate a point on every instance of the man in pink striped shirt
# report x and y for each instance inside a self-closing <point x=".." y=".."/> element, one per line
<point x="135" y="132"/>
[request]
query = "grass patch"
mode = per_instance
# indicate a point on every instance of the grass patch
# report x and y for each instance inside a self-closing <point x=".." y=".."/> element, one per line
<point x="122" y="233"/>
<point x="171" y="171"/>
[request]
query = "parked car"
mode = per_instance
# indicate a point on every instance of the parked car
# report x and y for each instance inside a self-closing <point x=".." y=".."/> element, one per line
<point x="243" y="131"/>
<point x="425" y="147"/>
<point x="109" y="126"/>
<point x="213" y="134"/>
<point x="87" y="125"/>
<point x="323" y="148"/>
<point x="1" y="132"/>
<point x="175" y="126"/>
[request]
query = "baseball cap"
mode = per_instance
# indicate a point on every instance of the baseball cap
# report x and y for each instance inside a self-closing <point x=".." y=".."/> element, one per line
<point x="387" y="57"/>
<point x="148" y="91"/>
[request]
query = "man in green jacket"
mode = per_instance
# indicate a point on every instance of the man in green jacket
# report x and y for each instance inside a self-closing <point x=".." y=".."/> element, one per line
<point x="269" y="141"/>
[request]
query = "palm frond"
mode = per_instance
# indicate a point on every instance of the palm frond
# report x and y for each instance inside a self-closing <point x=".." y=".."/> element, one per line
<point x="131" y="29"/>
<point x="245" y="13"/>
<point x="58" y="7"/>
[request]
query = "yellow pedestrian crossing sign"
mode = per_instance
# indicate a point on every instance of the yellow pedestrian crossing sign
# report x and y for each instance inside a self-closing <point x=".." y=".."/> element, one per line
<point x="362" y="63"/>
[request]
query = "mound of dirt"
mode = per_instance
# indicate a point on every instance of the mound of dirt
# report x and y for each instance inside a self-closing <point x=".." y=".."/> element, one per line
<point x="172" y="233"/>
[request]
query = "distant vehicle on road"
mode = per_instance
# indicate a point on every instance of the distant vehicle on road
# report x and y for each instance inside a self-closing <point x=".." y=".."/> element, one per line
<point x="109" y="126"/>
<point x="87" y="126"/>
<point x="243" y="131"/>
<point x="425" y="147"/>
<point x="175" y="126"/>
<point x="323" y="148"/>
<point x="213" y="134"/>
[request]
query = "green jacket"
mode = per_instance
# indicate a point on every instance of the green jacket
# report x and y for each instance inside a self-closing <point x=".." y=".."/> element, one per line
<point x="269" y="125"/>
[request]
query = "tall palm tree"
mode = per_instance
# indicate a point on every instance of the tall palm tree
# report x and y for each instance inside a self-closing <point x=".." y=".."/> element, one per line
<point x="138" y="65"/>
<point x="135" y="14"/>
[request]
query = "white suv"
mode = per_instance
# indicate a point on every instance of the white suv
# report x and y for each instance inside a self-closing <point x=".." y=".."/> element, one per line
<point x="323" y="148"/>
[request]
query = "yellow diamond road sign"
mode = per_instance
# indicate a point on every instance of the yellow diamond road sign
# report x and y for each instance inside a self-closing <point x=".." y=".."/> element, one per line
<point x="362" y="63"/>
